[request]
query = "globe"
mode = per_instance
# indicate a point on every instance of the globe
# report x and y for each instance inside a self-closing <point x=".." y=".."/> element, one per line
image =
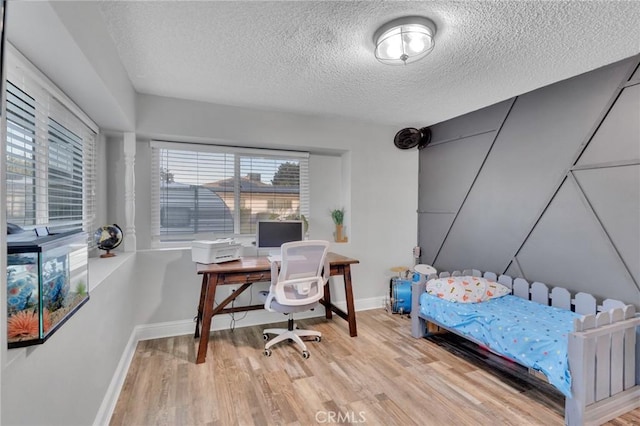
<point x="107" y="238"/>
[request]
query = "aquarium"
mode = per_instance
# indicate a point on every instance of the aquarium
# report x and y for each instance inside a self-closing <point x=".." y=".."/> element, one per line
<point x="46" y="284"/>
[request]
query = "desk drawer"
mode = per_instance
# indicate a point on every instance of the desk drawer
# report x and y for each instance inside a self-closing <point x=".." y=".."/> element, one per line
<point x="244" y="277"/>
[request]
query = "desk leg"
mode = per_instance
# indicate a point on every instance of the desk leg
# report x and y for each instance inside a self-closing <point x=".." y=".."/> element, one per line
<point x="203" y="294"/>
<point x="351" y="311"/>
<point x="327" y="299"/>
<point x="207" y="315"/>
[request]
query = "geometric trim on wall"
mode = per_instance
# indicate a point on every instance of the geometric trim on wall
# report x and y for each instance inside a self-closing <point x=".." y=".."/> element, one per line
<point x="540" y="140"/>
<point x="470" y="153"/>
<point x="579" y="213"/>
<point x="636" y="75"/>
<point x="433" y="228"/>
<point x="618" y="211"/>
<point x="618" y="137"/>
<point x="568" y="233"/>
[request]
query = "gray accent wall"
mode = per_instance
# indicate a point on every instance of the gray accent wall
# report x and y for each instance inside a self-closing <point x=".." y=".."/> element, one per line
<point x="545" y="186"/>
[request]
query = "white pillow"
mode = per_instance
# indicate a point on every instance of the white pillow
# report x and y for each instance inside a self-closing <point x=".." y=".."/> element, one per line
<point x="466" y="289"/>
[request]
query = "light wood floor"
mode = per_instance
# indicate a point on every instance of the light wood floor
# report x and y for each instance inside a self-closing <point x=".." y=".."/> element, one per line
<point x="381" y="377"/>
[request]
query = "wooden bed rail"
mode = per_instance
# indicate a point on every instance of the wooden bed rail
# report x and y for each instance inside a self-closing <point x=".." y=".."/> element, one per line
<point x="581" y="303"/>
<point x="602" y="354"/>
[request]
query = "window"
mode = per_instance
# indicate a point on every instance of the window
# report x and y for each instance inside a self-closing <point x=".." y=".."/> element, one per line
<point x="220" y="191"/>
<point x="278" y="204"/>
<point x="51" y="159"/>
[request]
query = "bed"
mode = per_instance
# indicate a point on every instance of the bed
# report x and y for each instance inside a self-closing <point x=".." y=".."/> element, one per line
<point x="587" y="351"/>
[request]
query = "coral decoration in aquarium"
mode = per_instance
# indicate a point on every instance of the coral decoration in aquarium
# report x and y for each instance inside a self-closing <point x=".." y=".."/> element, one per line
<point x="46" y="283"/>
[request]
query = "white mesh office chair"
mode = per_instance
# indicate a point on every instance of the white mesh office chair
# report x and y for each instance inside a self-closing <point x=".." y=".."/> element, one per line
<point x="296" y="288"/>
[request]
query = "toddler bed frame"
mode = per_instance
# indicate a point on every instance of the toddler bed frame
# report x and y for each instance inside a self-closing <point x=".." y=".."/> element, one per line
<point x="602" y="352"/>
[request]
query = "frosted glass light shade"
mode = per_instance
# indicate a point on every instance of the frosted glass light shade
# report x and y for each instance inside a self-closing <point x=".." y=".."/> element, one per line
<point x="404" y="40"/>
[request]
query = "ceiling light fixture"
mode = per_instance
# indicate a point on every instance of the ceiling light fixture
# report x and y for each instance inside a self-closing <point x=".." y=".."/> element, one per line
<point x="404" y="40"/>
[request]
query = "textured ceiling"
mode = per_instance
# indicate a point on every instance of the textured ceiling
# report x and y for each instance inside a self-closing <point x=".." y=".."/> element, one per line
<point x="316" y="57"/>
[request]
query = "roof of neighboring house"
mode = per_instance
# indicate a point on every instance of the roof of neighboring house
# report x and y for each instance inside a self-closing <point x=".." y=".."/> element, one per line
<point x="249" y="185"/>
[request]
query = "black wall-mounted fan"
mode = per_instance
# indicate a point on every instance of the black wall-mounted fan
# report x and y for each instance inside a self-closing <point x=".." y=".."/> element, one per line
<point x="410" y="138"/>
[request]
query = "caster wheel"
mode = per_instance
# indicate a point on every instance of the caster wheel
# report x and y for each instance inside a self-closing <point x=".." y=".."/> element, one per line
<point x="318" y="339"/>
<point x="306" y="354"/>
<point x="265" y="337"/>
<point x="267" y="352"/>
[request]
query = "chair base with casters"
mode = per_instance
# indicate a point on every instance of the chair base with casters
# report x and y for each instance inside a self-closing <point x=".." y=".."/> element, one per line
<point x="293" y="333"/>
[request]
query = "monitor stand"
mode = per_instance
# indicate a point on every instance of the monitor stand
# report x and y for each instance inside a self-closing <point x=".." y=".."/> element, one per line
<point x="269" y="252"/>
<point x="274" y="255"/>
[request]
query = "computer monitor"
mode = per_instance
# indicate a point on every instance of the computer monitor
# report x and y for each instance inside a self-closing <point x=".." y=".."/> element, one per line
<point x="271" y="234"/>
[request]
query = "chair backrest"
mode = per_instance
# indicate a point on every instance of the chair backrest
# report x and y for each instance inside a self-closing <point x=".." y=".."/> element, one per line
<point x="300" y="281"/>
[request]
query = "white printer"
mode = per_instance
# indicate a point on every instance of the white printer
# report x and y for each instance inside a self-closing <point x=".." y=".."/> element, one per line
<point x="217" y="251"/>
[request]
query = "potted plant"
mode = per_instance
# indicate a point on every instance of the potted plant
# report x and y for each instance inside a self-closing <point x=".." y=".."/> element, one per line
<point x="338" y="218"/>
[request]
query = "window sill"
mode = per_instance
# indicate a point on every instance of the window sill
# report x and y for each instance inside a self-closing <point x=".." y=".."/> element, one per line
<point x="101" y="268"/>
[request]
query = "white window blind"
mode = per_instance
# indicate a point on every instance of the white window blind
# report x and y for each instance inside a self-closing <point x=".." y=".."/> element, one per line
<point x="214" y="191"/>
<point x="51" y="154"/>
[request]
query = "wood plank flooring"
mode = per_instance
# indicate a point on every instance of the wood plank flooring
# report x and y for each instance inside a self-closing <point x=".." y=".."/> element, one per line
<point x="381" y="377"/>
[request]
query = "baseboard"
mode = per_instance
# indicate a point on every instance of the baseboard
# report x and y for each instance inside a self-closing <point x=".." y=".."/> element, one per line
<point x="242" y="319"/>
<point x="182" y="327"/>
<point x="113" y="391"/>
<point x="366" y="304"/>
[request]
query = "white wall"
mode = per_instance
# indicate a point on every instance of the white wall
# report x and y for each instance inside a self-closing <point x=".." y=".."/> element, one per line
<point x="353" y="165"/>
<point x="64" y="380"/>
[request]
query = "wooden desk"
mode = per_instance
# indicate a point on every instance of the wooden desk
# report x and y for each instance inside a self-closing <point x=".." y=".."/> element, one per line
<point x="249" y="270"/>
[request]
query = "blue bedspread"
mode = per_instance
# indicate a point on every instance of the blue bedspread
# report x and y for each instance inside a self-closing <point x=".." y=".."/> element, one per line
<point x="532" y="334"/>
